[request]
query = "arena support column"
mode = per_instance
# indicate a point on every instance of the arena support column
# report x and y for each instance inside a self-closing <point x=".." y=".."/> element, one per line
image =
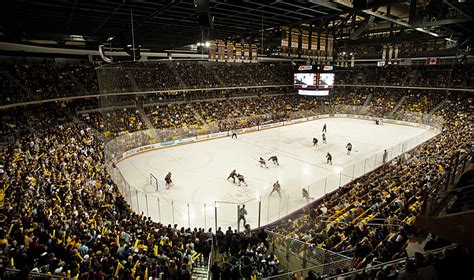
<point x="205" y="218"/>
<point x="215" y="215"/>
<point x="159" y="209"/>
<point x="146" y="202"/>
<point x="238" y="222"/>
<point x="259" y="210"/>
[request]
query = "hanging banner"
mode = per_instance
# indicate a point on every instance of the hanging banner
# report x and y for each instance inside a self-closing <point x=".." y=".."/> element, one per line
<point x="230" y="51"/>
<point x="212" y="51"/>
<point x="284" y="39"/>
<point x="294" y="43"/>
<point x="220" y="51"/>
<point x="330" y="48"/>
<point x="254" y="54"/>
<point x="390" y="53"/>
<point x="305" y="44"/>
<point x="246" y="53"/>
<point x="396" y="55"/>
<point x="238" y="52"/>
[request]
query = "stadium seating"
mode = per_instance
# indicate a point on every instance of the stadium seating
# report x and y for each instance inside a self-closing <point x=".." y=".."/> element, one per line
<point x="27" y="82"/>
<point x="65" y="216"/>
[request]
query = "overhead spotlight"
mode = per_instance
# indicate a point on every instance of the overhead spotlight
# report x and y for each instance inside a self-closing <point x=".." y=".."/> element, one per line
<point x="344" y="53"/>
<point x="207" y="44"/>
<point x="351" y="53"/>
<point x="198" y="44"/>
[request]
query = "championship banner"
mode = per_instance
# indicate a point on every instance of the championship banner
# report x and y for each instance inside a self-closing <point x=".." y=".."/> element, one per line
<point x="305" y="43"/>
<point x="384" y="54"/>
<point x="390" y="54"/>
<point x="314" y="41"/>
<point x="330" y="48"/>
<point x="294" y="44"/>
<point x="322" y="43"/>
<point x="230" y="51"/>
<point x="294" y="40"/>
<point x="396" y="55"/>
<point x="254" y="54"/>
<point x="246" y="53"/>
<point x="212" y="51"/>
<point x="238" y="52"/>
<point x="284" y="39"/>
<point x="220" y="51"/>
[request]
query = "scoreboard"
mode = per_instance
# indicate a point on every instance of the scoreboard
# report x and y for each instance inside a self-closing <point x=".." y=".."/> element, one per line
<point x="313" y="80"/>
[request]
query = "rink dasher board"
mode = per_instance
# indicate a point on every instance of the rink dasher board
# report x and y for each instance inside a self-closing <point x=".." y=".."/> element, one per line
<point x="217" y="135"/>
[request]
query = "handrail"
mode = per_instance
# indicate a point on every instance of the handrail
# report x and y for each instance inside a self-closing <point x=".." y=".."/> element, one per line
<point x="302" y="242"/>
<point x="15" y="271"/>
<point x="392" y="262"/>
<point x="455" y="190"/>
<point x="211" y="260"/>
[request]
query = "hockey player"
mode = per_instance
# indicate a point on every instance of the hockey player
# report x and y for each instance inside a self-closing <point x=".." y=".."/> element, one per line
<point x="306" y="195"/>
<point x="262" y="162"/>
<point x="385" y="156"/>
<point x="168" y="181"/>
<point x="241" y="179"/>
<point x="315" y="141"/>
<point x="349" y="148"/>
<point x="329" y="158"/>
<point x="325" y="129"/>
<point x="324" y="138"/>
<point x="274" y="159"/>
<point x="234" y="134"/>
<point x="232" y="175"/>
<point x="242" y="213"/>
<point x="276" y="188"/>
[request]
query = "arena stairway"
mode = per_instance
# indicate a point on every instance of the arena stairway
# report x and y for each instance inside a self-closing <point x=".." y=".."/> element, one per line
<point x="215" y="75"/>
<point x="78" y="84"/>
<point x="200" y="267"/>
<point x="132" y="80"/>
<point x="182" y="84"/>
<point x="198" y="115"/>
<point x="145" y="118"/>
<point x="395" y="109"/>
<point x="365" y="105"/>
<point x="17" y="82"/>
<point x="439" y="106"/>
<point x="450" y="214"/>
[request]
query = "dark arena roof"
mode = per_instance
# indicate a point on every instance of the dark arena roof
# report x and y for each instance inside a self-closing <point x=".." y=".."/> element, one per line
<point x="160" y="25"/>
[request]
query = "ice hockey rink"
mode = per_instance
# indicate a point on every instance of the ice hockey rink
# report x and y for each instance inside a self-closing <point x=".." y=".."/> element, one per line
<point x="201" y="196"/>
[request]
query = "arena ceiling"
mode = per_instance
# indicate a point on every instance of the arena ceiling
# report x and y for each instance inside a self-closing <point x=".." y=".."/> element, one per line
<point x="168" y="24"/>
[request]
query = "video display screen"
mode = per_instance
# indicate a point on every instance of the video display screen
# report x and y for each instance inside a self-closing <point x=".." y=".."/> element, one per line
<point x="313" y="81"/>
<point x="326" y="80"/>
<point x="305" y="80"/>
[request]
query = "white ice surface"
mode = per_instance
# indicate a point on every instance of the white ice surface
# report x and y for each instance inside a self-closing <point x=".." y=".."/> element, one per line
<point x="200" y="170"/>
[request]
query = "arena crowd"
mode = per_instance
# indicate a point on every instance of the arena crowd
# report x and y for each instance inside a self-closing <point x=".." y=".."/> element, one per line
<point x="65" y="216"/>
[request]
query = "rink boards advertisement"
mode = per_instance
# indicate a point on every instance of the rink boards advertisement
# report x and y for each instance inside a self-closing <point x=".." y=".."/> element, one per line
<point x="216" y="135"/>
